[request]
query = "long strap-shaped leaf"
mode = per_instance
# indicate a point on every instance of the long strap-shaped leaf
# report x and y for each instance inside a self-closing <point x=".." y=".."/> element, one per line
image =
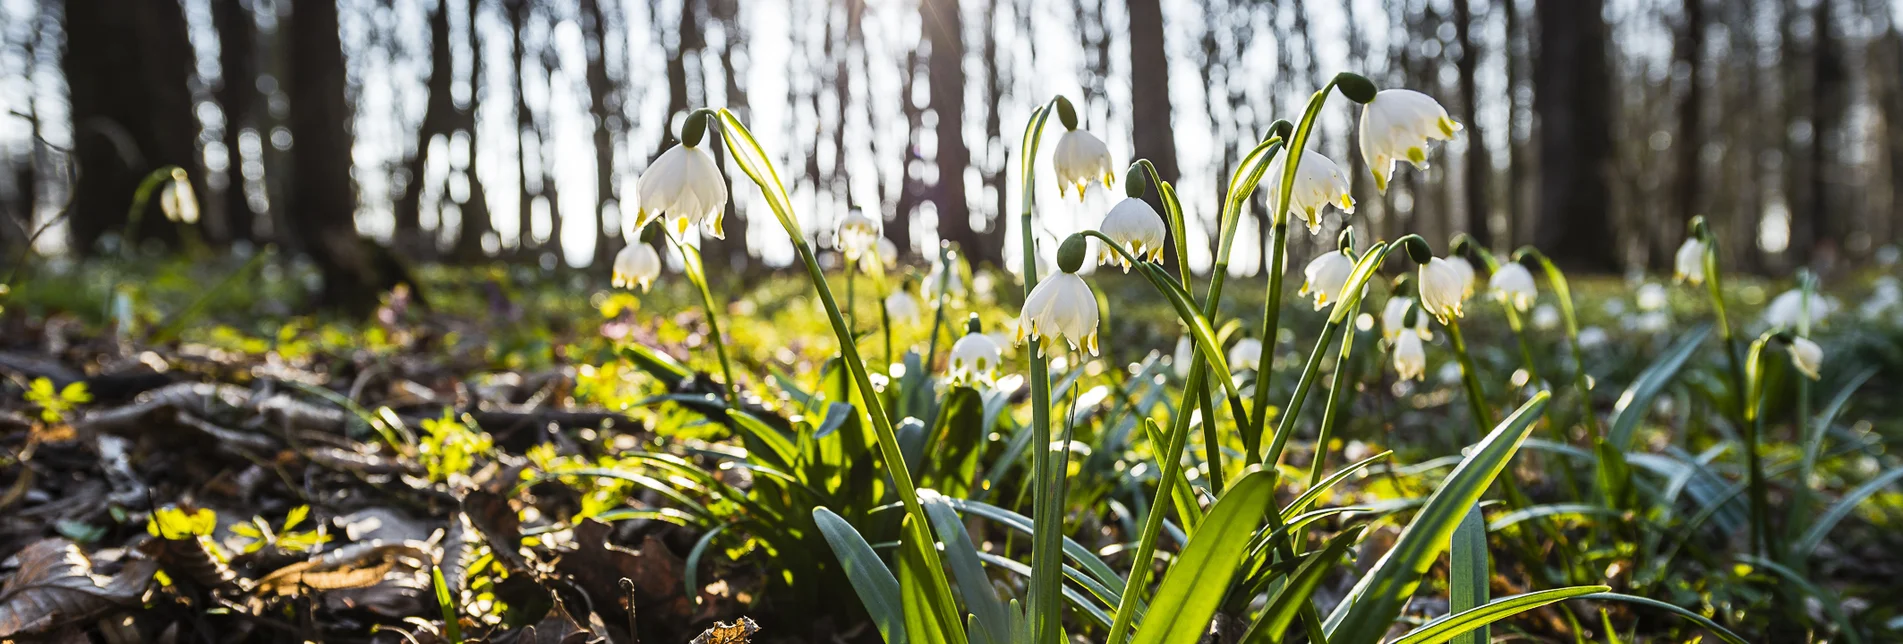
<point x="1195" y="585"/>
<point x="1274" y="621"/>
<point x="1475" y="620"/>
<point x="1469" y="573"/>
<point x="1365" y="614"/>
<point x="1815" y="535"/>
<point x="1637" y="399"/>
<point x="988" y="613"/>
<point x="1722" y="632"/>
<point x="878" y="590"/>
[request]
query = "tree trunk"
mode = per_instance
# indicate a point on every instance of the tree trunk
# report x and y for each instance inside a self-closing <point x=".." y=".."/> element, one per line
<point x="1516" y="159"/>
<point x="1821" y="231"/>
<point x="1572" y="90"/>
<point x="237" y="52"/>
<point x="899" y="228"/>
<point x="604" y="109"/>
<point x="944" y="29"/>
<point x="127" y="65"/>
<point x="518" y="11"/>
<point x="1690" y="54"/>
<point x="323" y="203"/>
<point x="733" y="250"/>
<point x="476" y="224"/>
<point x="1151" y="129"/>
<point x="1479" y="168"/>
<point x="439" y="116"/>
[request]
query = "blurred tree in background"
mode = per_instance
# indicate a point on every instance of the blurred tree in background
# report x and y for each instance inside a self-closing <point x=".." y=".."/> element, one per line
<point x="469" y="130"/>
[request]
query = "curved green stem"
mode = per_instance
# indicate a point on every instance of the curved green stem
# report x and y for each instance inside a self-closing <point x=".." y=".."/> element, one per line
<point x="697" y="273"/>
<point x="1564" y="294"/>
<point x="1761" y="537"/>
<point x="747" y="153"/>
<point x="1047" y="503"/>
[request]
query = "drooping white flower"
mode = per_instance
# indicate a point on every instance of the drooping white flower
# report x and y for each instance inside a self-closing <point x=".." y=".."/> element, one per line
<point x="1400" y="124"/>
<point x="1886" y="294"/>
<point x="1785" y="310"/>
<point x="975" y="357"/>
<point x="1410" y="358"/>
<point x="1807" y="357"/>
<point x="682" y="187"/>
<point x="1513" y="284"/>
<point x="1319" y="183"/>
<point x="636" y="265"/>
<point x="902" y="307"/>
<point x="1062" y="307"/>
<point x="888" y="252"/>
<point x="1246" y="354"/>
<point x="178" y="200"/>
<point x="1081" y="158"/>
<point x="1394" y="319"/>
<point x="1137" y="228"/>
<point x="1326" y="275"/>
<point x="857" y="238"/>
<point x="1443" y="289"/>
<point x="1689" y="263"/>
<point x="1652" y="296"/>
<point x="1467" y="275"/>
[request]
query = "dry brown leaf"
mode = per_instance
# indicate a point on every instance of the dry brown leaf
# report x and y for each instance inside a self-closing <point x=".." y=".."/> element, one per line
<point x="598" y="568"/>
<point x="739" y="632"/>
<point x="55" y="587"/>
<point x="353" y="567"/>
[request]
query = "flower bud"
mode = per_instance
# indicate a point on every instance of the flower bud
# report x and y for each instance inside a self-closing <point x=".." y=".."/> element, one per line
<point x="973" y="325"/>
<point x="695" y="128"/>
<point x="1070" y="255"/>
<point x="1066" y="114"/>
<point x="1356" y="87"/>
<point x="1135" y="183"/>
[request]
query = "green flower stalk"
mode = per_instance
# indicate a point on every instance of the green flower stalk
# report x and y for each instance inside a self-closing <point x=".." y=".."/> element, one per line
<point x="1359" y="90"/>
<point x="1564" y="294"/>
<point x="697" y="273"/>
<point x="1047" y="479"/>
<point x="1807" y="359"/>
<point x="918" y="541"/>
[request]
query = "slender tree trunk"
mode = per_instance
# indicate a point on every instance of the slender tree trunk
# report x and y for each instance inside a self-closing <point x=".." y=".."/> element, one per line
<point x="439" y="119"/>
<point x="323" y="203"/>
<point x="1152" y="130"/>
<point x="899" y="228"/>
<point x="1824" y="227"/>
<point x="733" y="250"/>
<point x="524" y="129"/>
<point x="604" y="109"/>
<point x="476" y="223"/>
<point x="237" y="60"/>
<point x="1572" y="90"/>
<point x="127" y="65"/>
<point x="1690" y="54"/>
<point x="1517" y="160"/>
<point x="1479" y="168"/>
<point x="995" y="169"/>
<point x="944" y="29"/>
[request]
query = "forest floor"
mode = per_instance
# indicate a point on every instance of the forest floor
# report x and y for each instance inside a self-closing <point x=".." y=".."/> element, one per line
<point x="547" y="460"/>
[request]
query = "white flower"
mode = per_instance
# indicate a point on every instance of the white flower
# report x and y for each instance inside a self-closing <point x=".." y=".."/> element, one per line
<point x="1137" y="228"/>
<point x="1545" y="317"/>
<point x="975" y="357"/>
<point x="1185" y="351"/>
<point x="636" y="265"/>
<point x="1319" y="183"/>
<point x="1062" y="307"/>
<point x="1592" y="336"/>
<point x="1467" y="274"/>
<point x="178" y="200"/>
<point x="1652" y="297"/>
<point x="857" y="238"/>
<point x="1513" y="284"/>
<point x="1080" y="158"/>
<point x="1807" y="356"/>
<point x="1689" y="263"/>
<point x="1786" y="309"/>
<point x="1246" y="354"/>
<point x="683" y="187"/>
<point x="1650" y="322"/>
<point x="902" y="307"/>
<point x="888" y="252"/>
<point x="955" y="287"/>
<point x="1326" y="275"/>
<point x="1885" y="294"/>
<point x="1410" y="358"/>
<point x="1399" y="124"/>
<point x="1394" y="319"/>
<point x="1443" y="289"/>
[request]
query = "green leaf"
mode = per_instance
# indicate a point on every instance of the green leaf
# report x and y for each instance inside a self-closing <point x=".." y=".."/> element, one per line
<point x="1274" y="621"/>
<point x="990" y="623"/>
<point x="1301" y="502"/>
<point x="1183" y="497"/>
<point x="296" y="516"/>
<point x="1815" y="535"/>
<point x="1831" y="604"/>
<point x="878" y="590"/>
<point x="657" y="364"/>
<point x="1197" y="582"/>
<point x="776" y="447"/>
<point x="1548" y="510"/>
<point x="1722" y="633"/>
<point x="1469" y="572"/>
<point x="924" y="622"/>
<point x="1475" y="620"/>
<point x="1073" y="550"/>
<point x="452" y="627"/>
<point x="1637" y="399"/>
<point x="1364" y="615"/>
<point x="692" y="577"/>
